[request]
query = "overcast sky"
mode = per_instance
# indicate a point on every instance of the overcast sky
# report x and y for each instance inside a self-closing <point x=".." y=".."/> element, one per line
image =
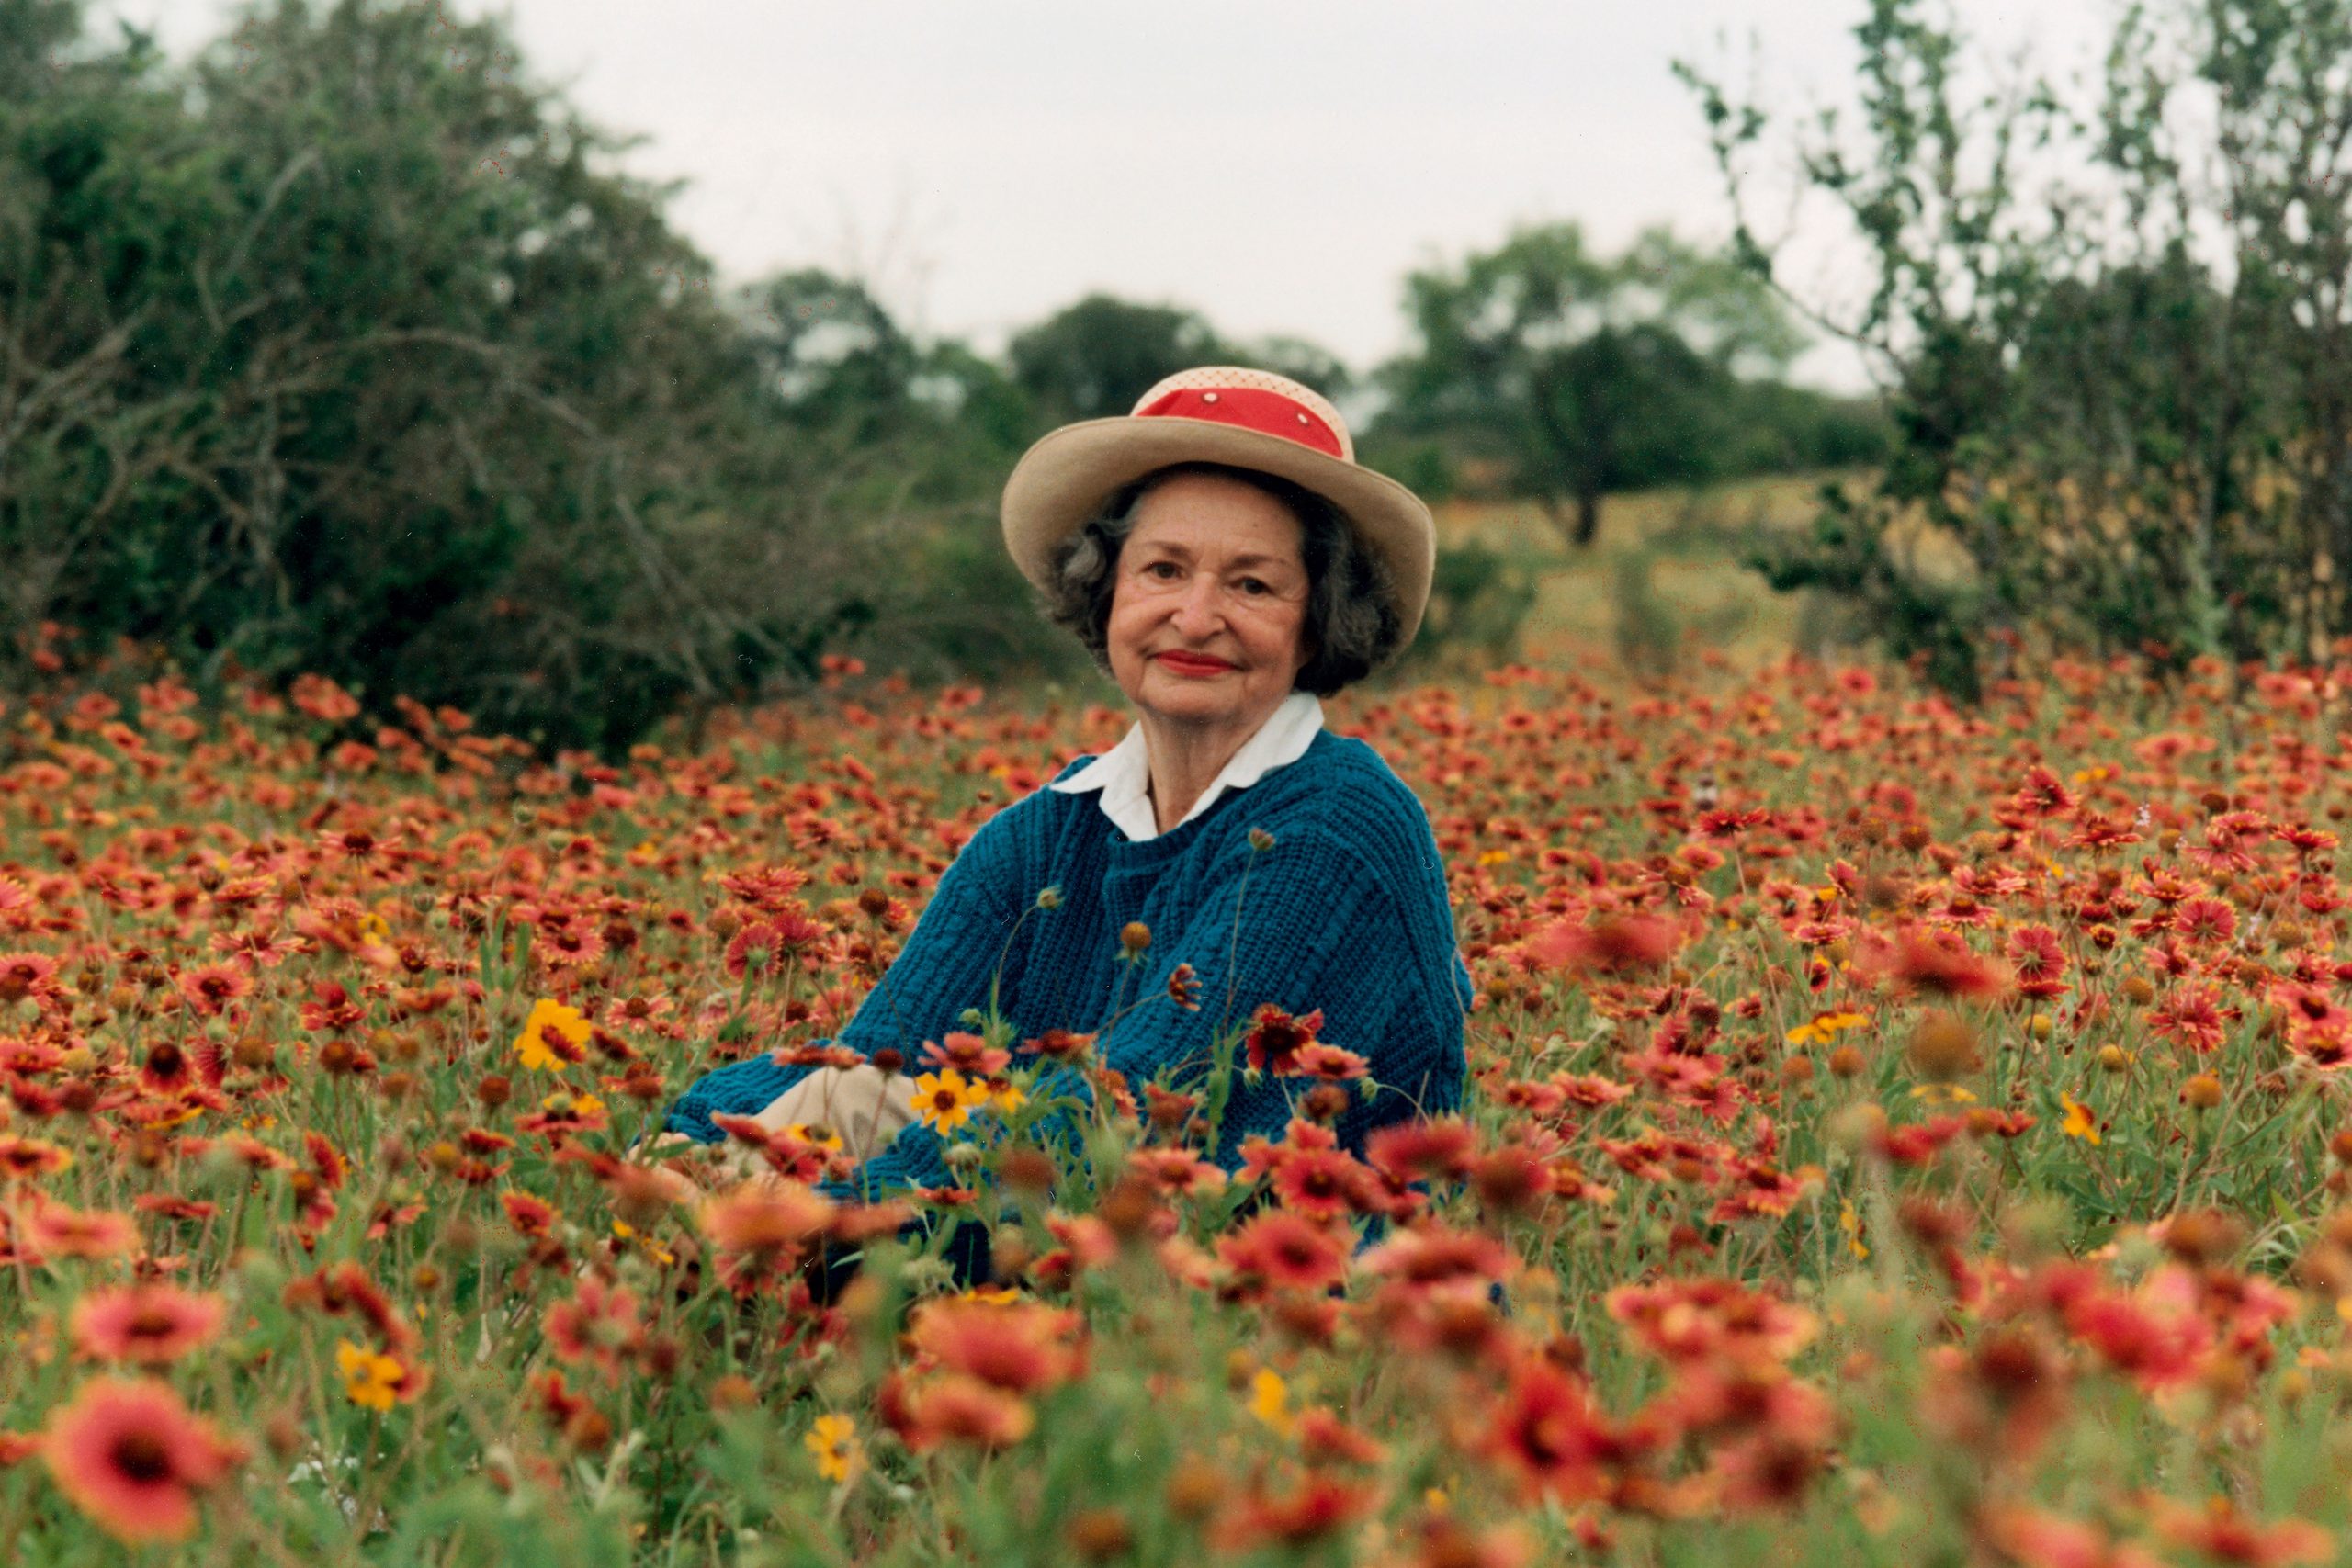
<point x="1279" y="166"/>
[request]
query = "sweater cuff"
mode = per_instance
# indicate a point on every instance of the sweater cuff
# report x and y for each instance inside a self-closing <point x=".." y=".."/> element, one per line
<point x="740" y="1089"/>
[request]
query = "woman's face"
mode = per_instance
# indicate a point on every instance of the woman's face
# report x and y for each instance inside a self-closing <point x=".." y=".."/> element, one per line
<point x="1208" y="609"/>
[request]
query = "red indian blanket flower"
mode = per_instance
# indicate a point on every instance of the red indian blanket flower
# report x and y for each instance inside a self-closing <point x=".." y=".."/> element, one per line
<point x="154" y="1325"/>
<point x="55" y="1231"/>
<point x="598" y="1324"/>
<point x="1019" y="1347"/>
<point x="2221" y="1532"/>
<point x="213" y="987"/>
<point x="1276" y="1038"/>
<point x="1437" y="1150"/>
<point x="1938" y="961"/>
<point x="1286" y="1251"/>
<point x="952" y="1408"/>
<point x="130" y="1456"/>
<point x="1612" y="944"/>
<point x="1547" y="1433"/>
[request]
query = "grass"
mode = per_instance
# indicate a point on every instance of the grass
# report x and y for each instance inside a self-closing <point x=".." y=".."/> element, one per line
<point x="1665" y="574"/>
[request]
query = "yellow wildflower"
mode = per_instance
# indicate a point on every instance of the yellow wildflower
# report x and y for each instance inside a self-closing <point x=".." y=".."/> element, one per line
<point x="653" y="1248"/>
<point x="1852" y="1223"/>
<point x="1269" y="1401"/>
<point x="946" y="1099"/>
<point x="991" y="1296"/>
<point x="552" y="1021"/>
<point x="1824" y="1027"/>
<point x="369" y="1378"/>
<point x="833" y="1439"/>
<point x="816" y="1133"/>
<point x="2080" y="1122"/>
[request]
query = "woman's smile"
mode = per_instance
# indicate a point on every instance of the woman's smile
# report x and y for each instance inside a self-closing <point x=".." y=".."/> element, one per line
<point x="1196" y="664"/>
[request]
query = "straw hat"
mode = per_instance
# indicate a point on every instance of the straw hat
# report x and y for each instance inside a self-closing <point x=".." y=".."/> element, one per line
<point x="1217" y="414"/>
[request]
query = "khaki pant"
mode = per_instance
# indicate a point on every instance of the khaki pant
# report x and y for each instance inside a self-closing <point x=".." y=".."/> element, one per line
<point x="867" y="1106"/>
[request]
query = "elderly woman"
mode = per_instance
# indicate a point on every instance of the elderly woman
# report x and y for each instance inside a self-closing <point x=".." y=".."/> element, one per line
<point x="1224" y="559"/>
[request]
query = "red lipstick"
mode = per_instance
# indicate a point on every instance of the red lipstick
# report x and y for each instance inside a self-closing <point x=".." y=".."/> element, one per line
<point x="1193" y="663"/>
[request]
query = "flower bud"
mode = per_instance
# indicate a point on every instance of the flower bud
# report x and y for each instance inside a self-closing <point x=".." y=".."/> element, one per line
<point x="1943" y="1047"/>
<point x="1027" y="1170"/>
<point x="1098" y="1535"/>
<point x="1196" y="1487"/>
<point x="1324" y="1103"/>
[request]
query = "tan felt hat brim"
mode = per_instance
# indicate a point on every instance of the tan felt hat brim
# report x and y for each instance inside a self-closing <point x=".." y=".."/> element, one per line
<point x="1066" y="475"/>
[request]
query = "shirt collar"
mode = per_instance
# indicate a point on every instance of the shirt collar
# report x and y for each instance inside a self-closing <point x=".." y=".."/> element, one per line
<point x="1123" y="773"/>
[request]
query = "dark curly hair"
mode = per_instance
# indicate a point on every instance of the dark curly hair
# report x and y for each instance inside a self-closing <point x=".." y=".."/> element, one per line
<point x="1352" y="626"/>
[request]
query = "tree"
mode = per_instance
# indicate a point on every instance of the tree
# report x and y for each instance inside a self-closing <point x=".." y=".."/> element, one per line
<point x="1309" y="364"/>
<point x="1584" y="375"/>
<point x="346" y="353"/>
<point x="1092" y="359"/>
<point x="33" y="35"/>
<point x="831" y="355"/>
<point x="2116" y="336"/>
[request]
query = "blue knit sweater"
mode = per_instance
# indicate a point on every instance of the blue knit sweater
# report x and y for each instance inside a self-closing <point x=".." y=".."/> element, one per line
<point x="1347" y="912"/>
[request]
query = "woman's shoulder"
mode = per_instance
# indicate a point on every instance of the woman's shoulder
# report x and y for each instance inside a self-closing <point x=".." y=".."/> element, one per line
<point x="1338" y="766"/>
<point x="1343" y="791"/>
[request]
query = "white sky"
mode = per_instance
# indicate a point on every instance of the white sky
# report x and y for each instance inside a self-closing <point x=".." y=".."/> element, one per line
<point x="1278" y="166"/>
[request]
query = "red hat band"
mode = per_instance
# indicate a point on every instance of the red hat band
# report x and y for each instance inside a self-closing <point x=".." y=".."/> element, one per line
<point x="1250" y="408"/>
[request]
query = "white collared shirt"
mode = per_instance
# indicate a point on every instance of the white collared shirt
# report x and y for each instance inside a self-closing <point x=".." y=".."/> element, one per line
<point x="1123" y="773"/>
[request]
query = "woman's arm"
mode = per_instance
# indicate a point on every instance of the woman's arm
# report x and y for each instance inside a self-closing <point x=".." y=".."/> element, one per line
<point x="946" y="965"/>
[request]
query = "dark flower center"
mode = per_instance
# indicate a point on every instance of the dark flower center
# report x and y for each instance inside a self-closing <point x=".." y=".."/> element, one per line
<point x="141" y="1457"/>
<point x="152" y="1323"/>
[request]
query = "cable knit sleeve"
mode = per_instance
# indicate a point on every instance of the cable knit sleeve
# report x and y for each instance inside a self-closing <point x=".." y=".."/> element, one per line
<point x="946" y="965"/>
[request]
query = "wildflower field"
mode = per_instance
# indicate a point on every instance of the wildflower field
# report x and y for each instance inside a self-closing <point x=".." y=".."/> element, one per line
<point x="1898" y="1133"/>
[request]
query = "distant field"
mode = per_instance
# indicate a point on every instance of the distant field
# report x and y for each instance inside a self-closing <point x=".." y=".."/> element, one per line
<point x="1665" y="570"/>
